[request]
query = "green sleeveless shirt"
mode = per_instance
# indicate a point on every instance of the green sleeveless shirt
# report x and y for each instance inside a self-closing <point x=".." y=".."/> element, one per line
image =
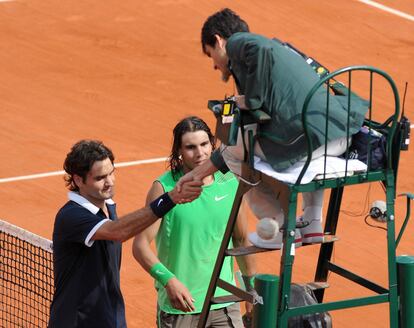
<point x="189" y="238"/>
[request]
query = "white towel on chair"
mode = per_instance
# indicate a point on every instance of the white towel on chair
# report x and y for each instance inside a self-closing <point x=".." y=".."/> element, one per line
<point x="335" y="168"/>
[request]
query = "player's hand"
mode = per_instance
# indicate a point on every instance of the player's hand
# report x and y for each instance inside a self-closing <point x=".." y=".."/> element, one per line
<point x="247" y="320"/>
<point x="248" y="316"/>
<point x="189" y="190"/>
<point x="249" y="311"/>
<point x="185" y="178"/>
<point x="180" y="297"/>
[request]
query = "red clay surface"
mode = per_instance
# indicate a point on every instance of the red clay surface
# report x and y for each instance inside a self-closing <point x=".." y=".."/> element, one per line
<point x="126" y="72"/>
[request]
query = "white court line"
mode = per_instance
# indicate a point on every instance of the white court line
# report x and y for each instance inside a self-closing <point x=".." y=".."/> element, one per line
<point x="122" y="164"/>
<point x="388" y="9"/>
<point x="54" y="173"/>
<point x="161" y="159"/>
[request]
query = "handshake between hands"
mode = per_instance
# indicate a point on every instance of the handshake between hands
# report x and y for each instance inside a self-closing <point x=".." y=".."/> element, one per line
<point x="187" y="189"/>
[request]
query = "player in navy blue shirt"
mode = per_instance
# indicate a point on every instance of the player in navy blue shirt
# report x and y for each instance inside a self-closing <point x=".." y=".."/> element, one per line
<point x="87" y="240"/>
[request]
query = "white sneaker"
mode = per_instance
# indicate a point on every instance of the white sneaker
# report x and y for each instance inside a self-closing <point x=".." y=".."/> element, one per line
<point x="311" y="232"/>
<point x="274" y="243"/>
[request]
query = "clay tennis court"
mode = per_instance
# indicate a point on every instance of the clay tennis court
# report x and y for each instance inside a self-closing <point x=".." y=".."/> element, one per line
<point x="126" y="71"/>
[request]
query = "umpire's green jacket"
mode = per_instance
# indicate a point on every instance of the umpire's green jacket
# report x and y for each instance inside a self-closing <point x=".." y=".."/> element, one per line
<point x="276" y="80"/>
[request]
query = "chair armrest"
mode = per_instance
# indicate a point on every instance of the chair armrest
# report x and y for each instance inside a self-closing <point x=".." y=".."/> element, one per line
<point x="258" y="116"/>
<point x="250" y="116"/>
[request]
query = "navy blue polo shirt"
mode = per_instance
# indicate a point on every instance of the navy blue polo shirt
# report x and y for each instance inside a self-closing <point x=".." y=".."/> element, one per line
<point x="86" y="272"/>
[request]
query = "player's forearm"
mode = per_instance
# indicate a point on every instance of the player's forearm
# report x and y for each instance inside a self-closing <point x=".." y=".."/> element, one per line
<point x="247" y="263"/>
<point x="137" y="221"/>
<point x="248" y="268"/>
<point x="127" y="226"/>
<point x="143" y="254"/>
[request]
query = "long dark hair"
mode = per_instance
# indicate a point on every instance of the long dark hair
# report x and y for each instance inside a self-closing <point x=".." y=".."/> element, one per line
<point x="188" y="124"/>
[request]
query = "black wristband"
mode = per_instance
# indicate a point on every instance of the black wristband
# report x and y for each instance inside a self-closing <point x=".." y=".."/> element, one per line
<point x="218" y="161"/>
<point x="162" y="205"/>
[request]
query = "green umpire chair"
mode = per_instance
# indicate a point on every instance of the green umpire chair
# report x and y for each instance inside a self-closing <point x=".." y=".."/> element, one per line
<point x="394" y="129"/>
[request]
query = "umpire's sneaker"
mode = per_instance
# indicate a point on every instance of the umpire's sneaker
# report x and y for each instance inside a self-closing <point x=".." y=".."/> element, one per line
<point x="311" y="232"/>
<point x="274" y="243"/>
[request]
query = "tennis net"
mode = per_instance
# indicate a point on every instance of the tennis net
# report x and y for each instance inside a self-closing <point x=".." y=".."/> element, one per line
<point x="26" y="278"/>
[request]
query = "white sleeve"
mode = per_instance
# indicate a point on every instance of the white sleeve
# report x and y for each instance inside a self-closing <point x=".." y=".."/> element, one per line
<point x="88" y="241"/>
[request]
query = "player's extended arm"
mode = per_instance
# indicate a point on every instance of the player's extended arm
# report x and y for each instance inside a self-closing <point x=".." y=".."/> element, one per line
<point x="247" y="263"/>
<point x="131" y="224"/>
<point x="178" y="294"/>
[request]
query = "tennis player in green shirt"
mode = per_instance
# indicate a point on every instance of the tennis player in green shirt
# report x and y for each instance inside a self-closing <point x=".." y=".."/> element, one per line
<point x="189" y="236"/>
